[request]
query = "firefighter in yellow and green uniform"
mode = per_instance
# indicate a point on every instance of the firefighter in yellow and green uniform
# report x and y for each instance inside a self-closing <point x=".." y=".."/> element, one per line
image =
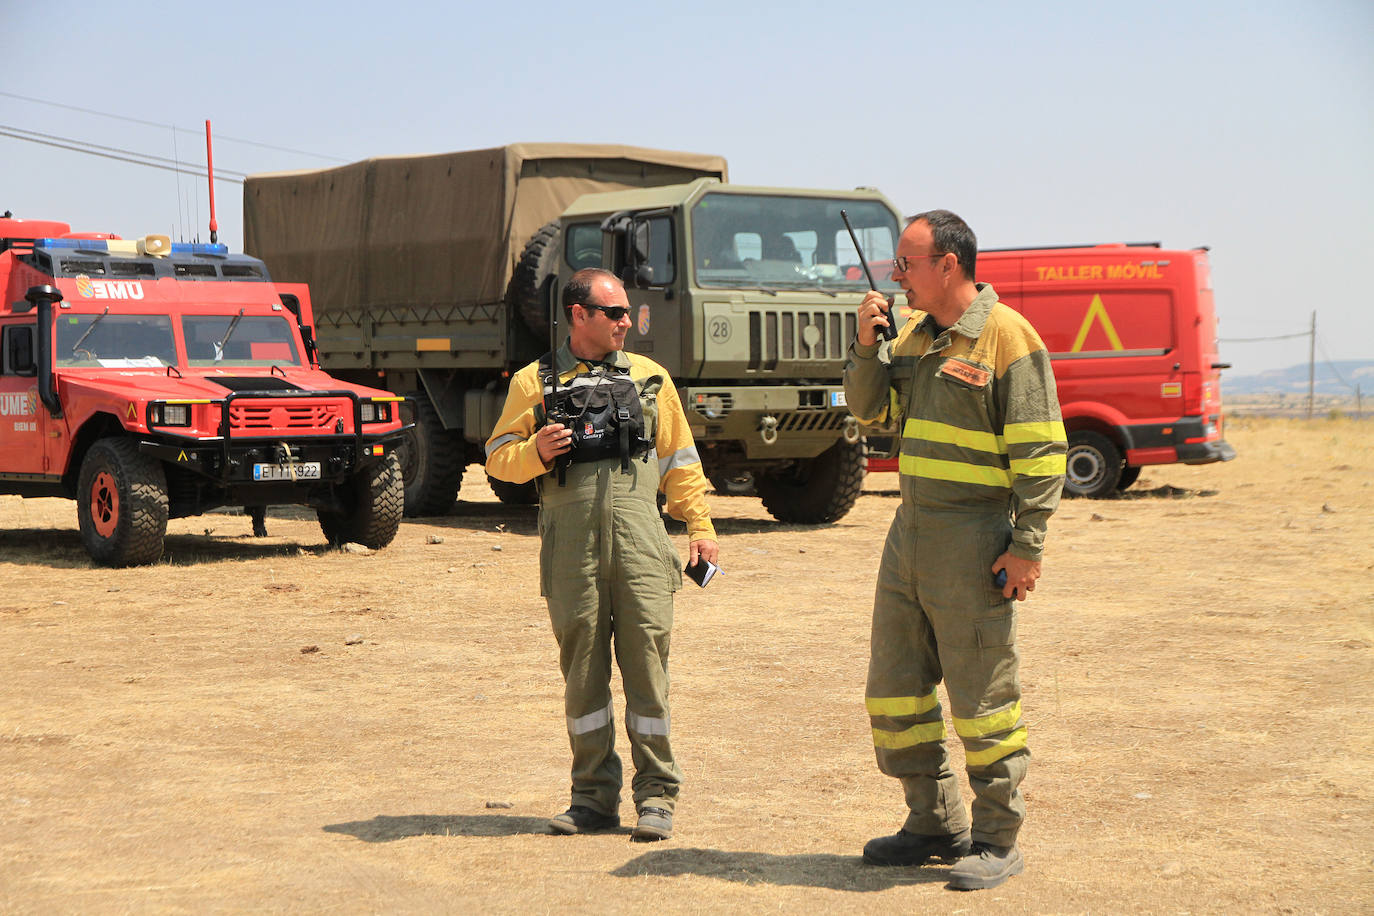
<point x="966" y="388"/>
<point x="607" y="567"/>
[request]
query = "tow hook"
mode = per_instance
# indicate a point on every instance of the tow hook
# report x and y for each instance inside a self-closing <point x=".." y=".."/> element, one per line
<point x="851" y="430"/>
<point x="768" y="429"/>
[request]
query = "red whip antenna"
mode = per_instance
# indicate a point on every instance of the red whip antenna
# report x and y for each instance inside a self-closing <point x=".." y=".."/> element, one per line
<point x="210" y="170"/>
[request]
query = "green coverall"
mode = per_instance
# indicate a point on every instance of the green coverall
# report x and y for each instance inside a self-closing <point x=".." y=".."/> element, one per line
<point x="982" y="469"/>
<point x="608" y="571"/>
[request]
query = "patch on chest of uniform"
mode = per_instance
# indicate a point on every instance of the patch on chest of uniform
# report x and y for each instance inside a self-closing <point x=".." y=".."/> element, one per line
<point x="965" y="372"/>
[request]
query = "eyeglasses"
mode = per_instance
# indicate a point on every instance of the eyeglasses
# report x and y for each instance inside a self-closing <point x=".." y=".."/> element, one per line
<point x="901" y="262"/>
<point x="613" y="312"/>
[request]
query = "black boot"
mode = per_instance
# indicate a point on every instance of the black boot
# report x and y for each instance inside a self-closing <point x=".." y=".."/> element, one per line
<point x="903" y="848"/>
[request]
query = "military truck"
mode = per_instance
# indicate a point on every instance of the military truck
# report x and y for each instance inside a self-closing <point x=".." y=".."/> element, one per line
<point x="433" y="277"/>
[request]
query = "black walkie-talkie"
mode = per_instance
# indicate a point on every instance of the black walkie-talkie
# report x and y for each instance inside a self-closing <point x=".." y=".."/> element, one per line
<point x="553" y="409"/>
<point x="889" y="332"/>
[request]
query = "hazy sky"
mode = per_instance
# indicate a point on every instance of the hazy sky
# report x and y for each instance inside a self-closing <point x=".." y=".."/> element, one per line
<point x="1247" y="127"/>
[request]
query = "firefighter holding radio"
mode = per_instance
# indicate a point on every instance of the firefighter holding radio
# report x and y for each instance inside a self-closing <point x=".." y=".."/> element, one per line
<point x="967" y="387"/>
<point x="603" y="431"/>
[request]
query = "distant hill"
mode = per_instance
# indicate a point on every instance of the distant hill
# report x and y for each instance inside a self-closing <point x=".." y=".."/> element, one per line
<point x="1293" y="380"/>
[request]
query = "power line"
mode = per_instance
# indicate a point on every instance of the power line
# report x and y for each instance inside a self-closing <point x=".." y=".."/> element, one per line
<point x="1258" y="339"/>
<point x="110" y="152"/>
<point x="106" y="114"/>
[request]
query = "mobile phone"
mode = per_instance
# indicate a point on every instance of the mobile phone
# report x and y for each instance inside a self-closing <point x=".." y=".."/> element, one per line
<point x="701" y="572"/>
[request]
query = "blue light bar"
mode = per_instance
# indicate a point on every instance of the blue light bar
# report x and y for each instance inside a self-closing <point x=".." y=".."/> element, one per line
<point x="88" y="244"/>
<point x="199" y="248"/>
<point x="101" y="245"/>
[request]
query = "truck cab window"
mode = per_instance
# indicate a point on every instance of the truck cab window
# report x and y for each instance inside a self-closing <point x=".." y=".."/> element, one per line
<point x="583" y="248"/>
<point x="18" y="350"/>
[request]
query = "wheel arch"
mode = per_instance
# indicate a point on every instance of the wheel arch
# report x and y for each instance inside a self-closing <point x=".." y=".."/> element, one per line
<point x="97" y="426"/>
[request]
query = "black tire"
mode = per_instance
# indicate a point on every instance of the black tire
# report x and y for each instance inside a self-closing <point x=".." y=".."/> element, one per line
<point x="1129" y="475"/>
<point x="740" y="483"/>
<point x="121" y="504"/>
<point x="816" y="490"/>
<point x="531" y="282"/>
<point x="1094" y="465"/>
<point x="514" y="494"/>
<point x="432" y="461"/>
<point x="373" y="501"/>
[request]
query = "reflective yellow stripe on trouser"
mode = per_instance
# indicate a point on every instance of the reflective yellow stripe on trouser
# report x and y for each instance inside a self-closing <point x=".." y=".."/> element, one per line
<point x="989" y="738"/>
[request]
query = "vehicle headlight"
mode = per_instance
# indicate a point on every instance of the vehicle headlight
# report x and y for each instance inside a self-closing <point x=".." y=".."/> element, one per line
<point x="376" y="412"/>
<point x="172" y="414"/>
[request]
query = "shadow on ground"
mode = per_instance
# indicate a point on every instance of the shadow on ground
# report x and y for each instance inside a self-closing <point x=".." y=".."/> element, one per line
<point x="846" y="873"/>
<point x="385" y="828"/>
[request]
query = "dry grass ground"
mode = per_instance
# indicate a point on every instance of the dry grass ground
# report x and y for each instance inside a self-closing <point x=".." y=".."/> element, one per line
<point x="200" y="735"/>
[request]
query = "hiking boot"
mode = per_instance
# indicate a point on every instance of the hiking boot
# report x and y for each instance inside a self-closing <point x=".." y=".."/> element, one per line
<point x="987" y="866"/>
<point x="654" y="824"/>
<point x="904" y="848"/>
<point x="581" y="819"/>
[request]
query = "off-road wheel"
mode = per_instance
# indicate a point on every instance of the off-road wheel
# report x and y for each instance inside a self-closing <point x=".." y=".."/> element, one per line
<point x="1129" y="475"/>
<point x="740" y="483"/>
<point x="530" y="283"/>
<point x="514" y="494"/>
<point x="121" y="504"/>
<point x="431" y="460"/>
<point x="818" y="490"/>
<point x="373" y="499"/>
<point x="1093" y="466"/>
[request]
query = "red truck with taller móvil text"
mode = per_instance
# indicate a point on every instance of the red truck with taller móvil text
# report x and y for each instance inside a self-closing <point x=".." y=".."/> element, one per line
<point x="149" y="380"/>
<point x="1131" y="332"/>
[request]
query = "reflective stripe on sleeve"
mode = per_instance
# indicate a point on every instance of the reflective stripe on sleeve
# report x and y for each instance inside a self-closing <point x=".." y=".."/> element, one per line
<point x="494" y="444"/>
<point x="1045" y="466"/>
<point x="645" y="725"/>
<point x="679" y="459"/>
<point x="1009" y="745"/>
<point x="1025" y="433"/>
<point x="923" y="733"/>
<point x="590" y="722"/>
<point x="901" y="706"/>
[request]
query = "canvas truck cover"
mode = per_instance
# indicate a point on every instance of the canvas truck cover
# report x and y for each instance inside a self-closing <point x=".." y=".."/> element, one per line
<point x="441" y="229"/>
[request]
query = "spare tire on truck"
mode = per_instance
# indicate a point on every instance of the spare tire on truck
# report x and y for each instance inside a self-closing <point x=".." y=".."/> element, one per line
<point x="814" y="491"/>
<point x="529" y="293"/>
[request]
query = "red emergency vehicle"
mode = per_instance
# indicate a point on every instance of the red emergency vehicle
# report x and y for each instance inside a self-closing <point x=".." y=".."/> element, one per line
<point x="1131" y="331"/>
<point x="149" y="380"/>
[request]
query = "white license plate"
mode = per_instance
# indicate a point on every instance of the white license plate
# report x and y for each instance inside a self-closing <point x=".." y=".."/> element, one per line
<point x="837" y="399"/>
<point x="305" y="470"/>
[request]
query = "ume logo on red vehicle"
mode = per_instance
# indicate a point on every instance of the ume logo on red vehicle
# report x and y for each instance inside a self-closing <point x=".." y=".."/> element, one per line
<point x="108" y="289"/>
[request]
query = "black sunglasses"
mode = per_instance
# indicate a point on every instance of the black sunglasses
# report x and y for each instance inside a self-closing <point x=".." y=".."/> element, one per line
<point x="613" y="312"/>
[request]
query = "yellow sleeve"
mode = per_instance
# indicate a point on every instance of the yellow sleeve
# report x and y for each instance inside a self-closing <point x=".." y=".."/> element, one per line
<point x="511" y="453"/>
<point x="679" y="466"/>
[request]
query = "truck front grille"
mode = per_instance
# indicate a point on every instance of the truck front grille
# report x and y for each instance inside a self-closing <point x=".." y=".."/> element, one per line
<point x="792" y="335"/>
<point x="301" y="417"/>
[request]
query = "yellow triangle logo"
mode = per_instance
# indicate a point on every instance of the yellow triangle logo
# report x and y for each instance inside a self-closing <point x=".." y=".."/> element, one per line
<point x="182" y="456"/>
<point x="1096" y="310"/>
<point x="132" y="413"/>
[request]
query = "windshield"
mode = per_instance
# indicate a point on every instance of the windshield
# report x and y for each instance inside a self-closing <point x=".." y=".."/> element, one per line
<point x="115" y="341"/>
<point x="756" y="241"/>
<point x="239" y="340"/>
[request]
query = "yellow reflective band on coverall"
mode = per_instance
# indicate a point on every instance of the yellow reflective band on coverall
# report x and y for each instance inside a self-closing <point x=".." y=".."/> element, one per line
<point x="608" y="572"/>
<point x="981" y="470"/>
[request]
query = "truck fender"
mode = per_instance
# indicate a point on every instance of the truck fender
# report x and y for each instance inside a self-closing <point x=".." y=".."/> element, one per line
<point x="1096" y="415"/>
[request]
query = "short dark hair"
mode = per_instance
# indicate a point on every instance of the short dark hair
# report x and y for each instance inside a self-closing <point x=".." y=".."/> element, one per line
<point x="579" y="288"/>
<point x="950" y="233"/>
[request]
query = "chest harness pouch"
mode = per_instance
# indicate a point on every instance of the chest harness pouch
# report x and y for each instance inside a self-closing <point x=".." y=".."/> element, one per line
<point x="602" y="408"/>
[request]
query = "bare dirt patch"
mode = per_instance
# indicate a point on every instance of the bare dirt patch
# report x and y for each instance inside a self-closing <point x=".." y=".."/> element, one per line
<point x="273" y="725"/>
